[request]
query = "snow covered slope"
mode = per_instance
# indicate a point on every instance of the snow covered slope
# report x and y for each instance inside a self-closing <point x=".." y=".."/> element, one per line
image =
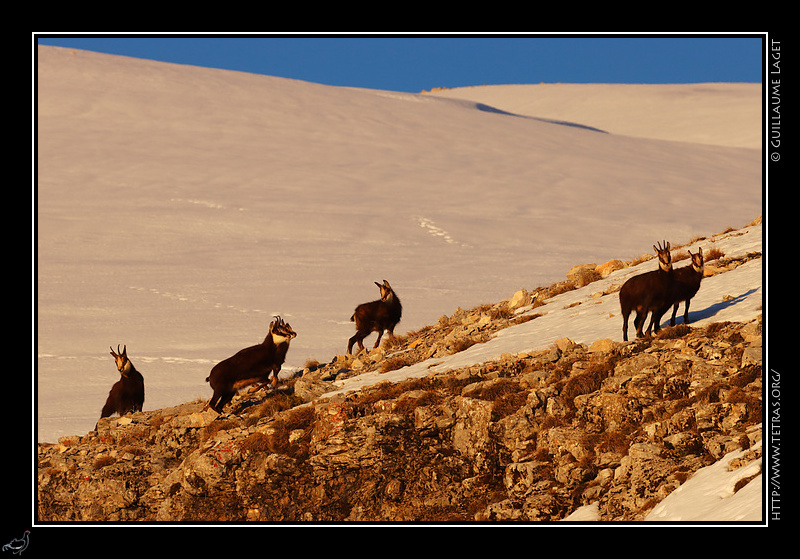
<point x="179" y="208"/>
<point x="585" y="315"/>
<point x="729" y="114"/>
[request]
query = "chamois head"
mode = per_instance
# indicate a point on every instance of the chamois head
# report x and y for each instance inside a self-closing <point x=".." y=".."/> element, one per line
<point x="123" y="364"/>
<point x="386" y="291"/>
<point x="281" y="331"/>
<point x="698" y="263"/>
<point x="664" y="257"/>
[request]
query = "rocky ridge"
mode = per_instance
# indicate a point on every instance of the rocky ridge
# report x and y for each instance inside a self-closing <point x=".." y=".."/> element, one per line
<point x="527" y="437"/>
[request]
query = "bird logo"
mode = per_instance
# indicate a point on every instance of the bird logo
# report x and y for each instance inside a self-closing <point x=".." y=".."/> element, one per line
<point x="18" y="545"/>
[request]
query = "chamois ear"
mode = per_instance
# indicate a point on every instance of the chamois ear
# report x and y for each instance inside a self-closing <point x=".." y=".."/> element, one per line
<point x="386" y="283"/>
<point x="379" y="285"/>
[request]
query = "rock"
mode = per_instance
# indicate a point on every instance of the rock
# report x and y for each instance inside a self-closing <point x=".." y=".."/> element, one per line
<point x="195" y="420"/>
<point x="68" y="442"/>
<point x="560" y="440"/>
<point x="309" y="388"/>
<point x="525" y="437"/>
<point x="565" y="344"/>
<point x="583" y="274"/>
<point x="752" y="356"/>
<point x="605" y="269"/>
<point x="686" y="443"/>
<point x="602" y="346"/>
<point x="471" y="430"/>
<point x="520" y="299"/>
<point x="521" y="477"/>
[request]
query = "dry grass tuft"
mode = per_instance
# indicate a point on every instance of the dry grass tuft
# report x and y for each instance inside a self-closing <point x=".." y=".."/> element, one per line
<point x="406" y="406"/>
<point x="300" y="418"/>
<point x="679" y="255"/>
<point x="275" y="439"/>
<point x="581" y="383"/>
<point x="391" y="342"/>
<point x="216" y="426"/>
<point x="674" y="332"/>
<point x="590" y="380"/>
<point x="508" y="404"/>
<point x="744" y="481"/>
<point x="715" y="327"/>
<point x="525" y="318"/>
<point x="312" y="364"/>
<point x="500" y="313"/>
<point x="275" y="404"/>
<point x="257" y="442"/>
<point x="754" y="405"/>
<point x="462" y="344"/>
<point x="616" y="441"/>
<point x="396" y="362"/>
<point x="103" y="461"/>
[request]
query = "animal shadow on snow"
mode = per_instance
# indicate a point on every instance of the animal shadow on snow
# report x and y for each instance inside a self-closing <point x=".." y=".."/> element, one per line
<point x="712" y="310"/>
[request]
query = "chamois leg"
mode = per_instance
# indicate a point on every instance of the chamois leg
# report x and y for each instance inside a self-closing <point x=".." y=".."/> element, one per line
<point x="220" y="400"/>
<point x="378" y="341"/>
<point x="224" y="401"/>
<point x="675" y="312"/>
<point x="656" y="325"/>
<point x="655" y="321"/>
<point x="638" y="322"/>
<point x="358" y="337"/>
<point x="212" y="403"/>
<point x="649" y="331"/>
<point x="625" y="325"/>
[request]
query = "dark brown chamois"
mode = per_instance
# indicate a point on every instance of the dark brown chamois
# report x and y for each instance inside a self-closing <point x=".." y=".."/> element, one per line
<point x="376" y="316"/>
<point x="127" y="394"/>
<point x="250" y="365"/>
<point x="646" y="293"/>
<point x="686" y="285"/>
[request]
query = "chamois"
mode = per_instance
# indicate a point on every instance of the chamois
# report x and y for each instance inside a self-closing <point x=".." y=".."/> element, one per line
<point x="250" y="365"/>
<point x="647" y="292"/>
<point x="127" y="394"/>
<point x="686" y="285"/>
<point x="376" y="316"/>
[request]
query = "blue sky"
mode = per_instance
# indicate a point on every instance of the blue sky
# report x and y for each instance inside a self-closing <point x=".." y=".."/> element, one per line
<point x="414" y="64"/>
